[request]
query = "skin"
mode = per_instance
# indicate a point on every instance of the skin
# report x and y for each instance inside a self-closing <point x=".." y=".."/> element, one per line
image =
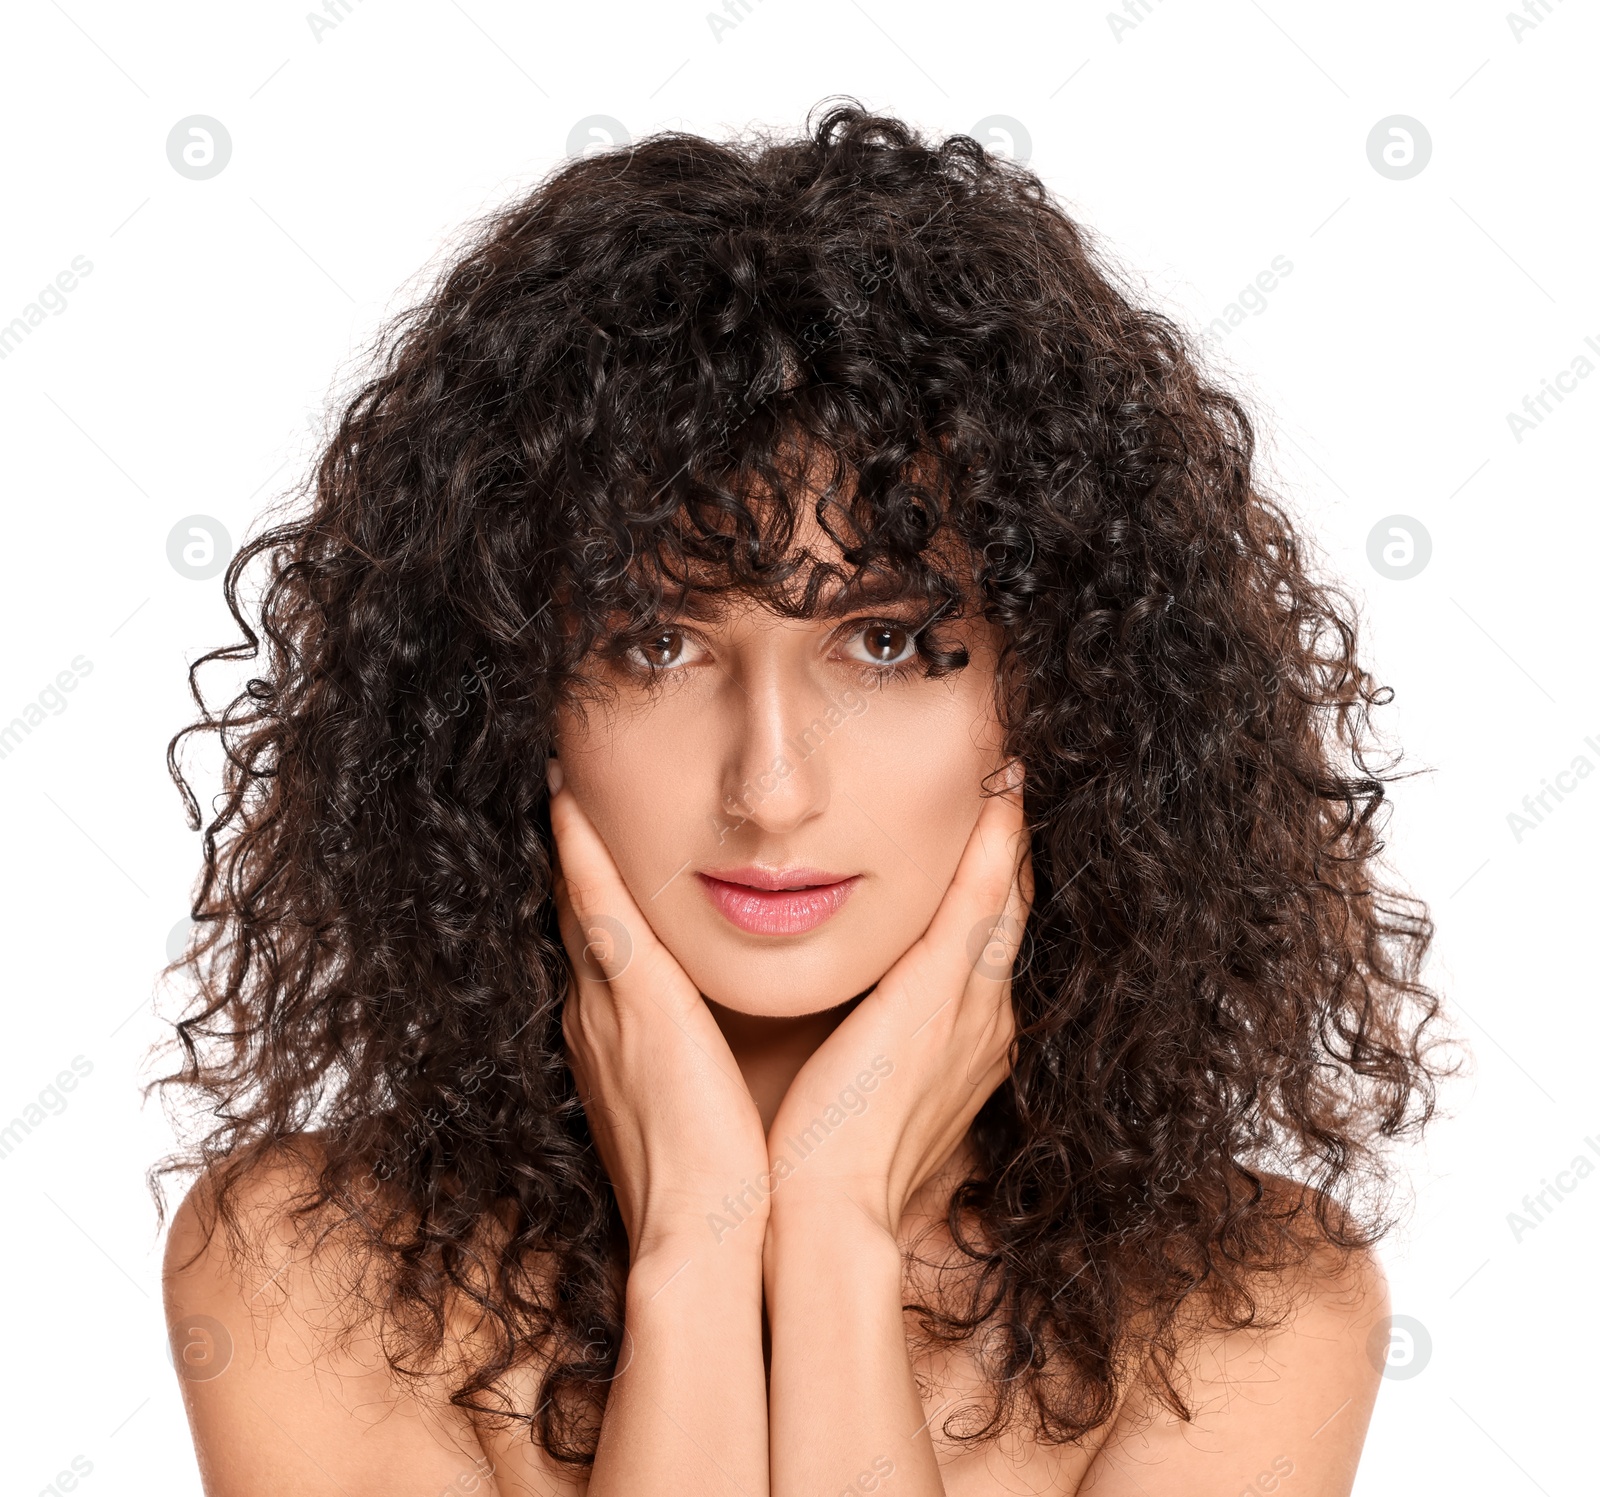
<point x="767" y="1352"/>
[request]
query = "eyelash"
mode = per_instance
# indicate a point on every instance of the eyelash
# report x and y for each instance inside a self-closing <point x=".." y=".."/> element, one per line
<point x="913" y="664"/>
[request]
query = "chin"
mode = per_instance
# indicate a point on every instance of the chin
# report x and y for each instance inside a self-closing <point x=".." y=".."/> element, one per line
<point x="808" y="975"/>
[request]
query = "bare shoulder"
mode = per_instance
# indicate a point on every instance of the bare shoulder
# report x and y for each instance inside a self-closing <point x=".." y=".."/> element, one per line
<point x="282" y="1356"/>
<point x="1290" y="1398"/>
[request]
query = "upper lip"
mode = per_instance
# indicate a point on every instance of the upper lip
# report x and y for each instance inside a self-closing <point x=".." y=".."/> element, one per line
<point x="774" y="878"/>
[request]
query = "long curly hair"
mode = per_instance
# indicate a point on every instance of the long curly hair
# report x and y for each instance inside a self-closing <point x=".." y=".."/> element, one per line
<point x="1218" y="991"/>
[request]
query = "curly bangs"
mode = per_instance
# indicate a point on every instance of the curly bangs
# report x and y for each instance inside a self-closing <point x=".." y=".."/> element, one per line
<point x="633" y="387"/>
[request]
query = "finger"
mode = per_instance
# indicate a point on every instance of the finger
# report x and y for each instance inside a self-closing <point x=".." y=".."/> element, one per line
<point x="986" y="1007"/>
<point x="607" y="934"/>
<point x="991" y="892"/>
<point x="974" y="935"/>
<point x="598" y="915"/>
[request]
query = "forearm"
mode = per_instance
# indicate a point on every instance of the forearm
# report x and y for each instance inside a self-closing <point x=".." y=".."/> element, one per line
<point x="687" y="1412"/>
<point x="844" y="1410"/>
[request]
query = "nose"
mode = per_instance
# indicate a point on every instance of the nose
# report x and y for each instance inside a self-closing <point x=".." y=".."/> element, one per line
<point x="773" y="777"/>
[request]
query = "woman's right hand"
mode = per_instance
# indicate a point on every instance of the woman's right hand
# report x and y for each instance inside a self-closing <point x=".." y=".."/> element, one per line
<point x="668" y="1109"/>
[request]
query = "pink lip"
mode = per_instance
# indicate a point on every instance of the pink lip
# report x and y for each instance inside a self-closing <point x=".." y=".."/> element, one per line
<point x="777" y="902"/>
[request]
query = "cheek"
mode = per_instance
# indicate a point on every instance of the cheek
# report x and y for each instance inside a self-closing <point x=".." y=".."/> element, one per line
<point x="915" y="784"/>
<point x="646" y="788"/>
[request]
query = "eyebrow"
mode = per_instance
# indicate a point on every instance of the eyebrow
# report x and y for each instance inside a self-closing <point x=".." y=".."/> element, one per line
<point x="874" y="590"/>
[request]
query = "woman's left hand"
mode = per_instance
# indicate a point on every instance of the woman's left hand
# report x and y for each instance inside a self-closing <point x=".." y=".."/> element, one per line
<point x="923" y="1050"/>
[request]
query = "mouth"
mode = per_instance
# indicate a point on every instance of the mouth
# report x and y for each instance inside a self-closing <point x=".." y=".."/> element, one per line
<point x="777" y="902"/>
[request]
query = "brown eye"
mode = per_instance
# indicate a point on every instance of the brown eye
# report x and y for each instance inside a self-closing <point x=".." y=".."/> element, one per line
<point x="663" y="651"/>
<point x="885" y="643"/>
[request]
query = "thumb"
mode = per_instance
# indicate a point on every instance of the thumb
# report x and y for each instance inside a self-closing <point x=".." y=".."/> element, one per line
<point x="599" y="918"/>
<point x="991" y="891"/>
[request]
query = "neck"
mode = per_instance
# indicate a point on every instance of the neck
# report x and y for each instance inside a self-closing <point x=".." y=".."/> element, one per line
<point x="770" y="1051"/>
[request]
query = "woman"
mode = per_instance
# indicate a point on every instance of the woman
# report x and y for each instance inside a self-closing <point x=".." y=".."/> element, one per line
<point x="795" y="907"/>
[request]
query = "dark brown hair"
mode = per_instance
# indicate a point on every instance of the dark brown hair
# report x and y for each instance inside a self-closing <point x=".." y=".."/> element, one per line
<point x="1217" y="989"/>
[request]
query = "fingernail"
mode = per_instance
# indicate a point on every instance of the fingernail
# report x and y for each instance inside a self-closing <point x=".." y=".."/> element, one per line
<point x="553" y="776"/>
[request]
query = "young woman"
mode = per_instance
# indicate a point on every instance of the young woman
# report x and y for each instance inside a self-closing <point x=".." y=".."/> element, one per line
<point x="795" y="904"/>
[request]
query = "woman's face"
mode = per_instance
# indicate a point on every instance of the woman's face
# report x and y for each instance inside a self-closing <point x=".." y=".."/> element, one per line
<point x="788" y="807"/>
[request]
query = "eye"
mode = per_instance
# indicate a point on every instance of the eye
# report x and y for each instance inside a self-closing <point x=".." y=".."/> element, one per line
<point x="882" y="642"/>
<point x="663" y="651"/>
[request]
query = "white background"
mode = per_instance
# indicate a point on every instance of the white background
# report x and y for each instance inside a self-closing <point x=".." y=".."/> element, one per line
<point x="189" y="370"/>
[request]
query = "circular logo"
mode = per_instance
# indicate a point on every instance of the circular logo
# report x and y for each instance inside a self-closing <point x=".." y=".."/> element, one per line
<point x="597" y="1349"/>
<point x="999" y="1347"/>
<point x="199" y="1347"/>
<point x="990" y="944"/>
<point x="1003" y="136"/>
<point x="608" y="949"/>
<point x="178" y="939"/>
<point x="367" y="1187"/>
<point x="1399" y="546"/>
<point x="198" y="547"/>
<point x="1399" y="146"/>
<point x="199" y="147"/>
<point x="1399" y="1346"/>
<point x="596" y="132"/>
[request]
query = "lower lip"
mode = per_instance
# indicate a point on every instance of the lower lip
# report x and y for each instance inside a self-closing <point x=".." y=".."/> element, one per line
<point x="777" y="912"/>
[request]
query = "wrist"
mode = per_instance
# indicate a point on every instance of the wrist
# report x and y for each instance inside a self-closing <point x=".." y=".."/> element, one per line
<point x="728" y="1237"/>
<point x="803" y="1207"/>
<point x="820" y="1265"/>
<point x="827" y="1227"/>
<point x="692" y="1266"/>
